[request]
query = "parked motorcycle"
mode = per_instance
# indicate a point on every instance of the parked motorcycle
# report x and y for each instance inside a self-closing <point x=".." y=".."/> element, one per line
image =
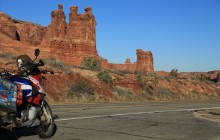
<point x="22" y="98"/>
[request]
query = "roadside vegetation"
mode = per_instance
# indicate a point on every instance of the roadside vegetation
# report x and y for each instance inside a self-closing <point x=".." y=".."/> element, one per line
<point x="80" y="92"/>
<point x="8" y="55"/>
<point x="91" y="63"/>
<point x="152" y="87"/>
<point x="57" y="65"/>
<point x="105" y="76"/>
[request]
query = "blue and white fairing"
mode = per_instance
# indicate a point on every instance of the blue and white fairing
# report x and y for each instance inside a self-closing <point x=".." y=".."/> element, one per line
<point x="26" y="85"/>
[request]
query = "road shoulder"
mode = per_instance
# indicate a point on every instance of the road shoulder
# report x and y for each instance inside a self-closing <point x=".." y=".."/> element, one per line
<point x="208" y="114"/>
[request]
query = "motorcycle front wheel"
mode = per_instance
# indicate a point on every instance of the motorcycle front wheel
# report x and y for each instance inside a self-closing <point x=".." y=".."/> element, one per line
<point x="47" y="127"/>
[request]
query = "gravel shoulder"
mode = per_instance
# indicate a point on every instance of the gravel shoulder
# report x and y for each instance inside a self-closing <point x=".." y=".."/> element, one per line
<point x="209" y="114"/>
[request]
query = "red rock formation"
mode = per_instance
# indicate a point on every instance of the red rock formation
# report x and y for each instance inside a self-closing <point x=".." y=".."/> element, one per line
<point x="128" y="61"/>
<point x="76" y="39"/>
<point x="29" y="33"/>
<point x="7" y="26"/>
<point x="81" y="27"/>
<point x="70" y="42"/>
<point x="144" y="61"/>
<point x="218" y="78"/>
<point x="25" y="32"/>
<point x="57" y="27"/>
<point x="124" y="67"/>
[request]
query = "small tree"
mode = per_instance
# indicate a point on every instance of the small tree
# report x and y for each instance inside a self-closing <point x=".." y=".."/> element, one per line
<point x="174" y="73"/>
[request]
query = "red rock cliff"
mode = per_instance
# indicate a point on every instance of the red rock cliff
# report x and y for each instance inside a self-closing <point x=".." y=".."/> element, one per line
<point x="7" y="26"/>
<point x="25" y="32"/>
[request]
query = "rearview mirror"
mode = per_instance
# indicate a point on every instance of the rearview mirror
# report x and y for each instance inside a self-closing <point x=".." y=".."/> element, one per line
<point x="37" y="52"/>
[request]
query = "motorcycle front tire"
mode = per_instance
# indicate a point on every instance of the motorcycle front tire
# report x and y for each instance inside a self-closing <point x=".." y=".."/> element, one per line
<point x="45" y="129"/>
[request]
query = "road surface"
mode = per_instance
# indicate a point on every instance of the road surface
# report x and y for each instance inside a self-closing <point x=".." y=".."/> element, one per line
<point x="129" y="121"/>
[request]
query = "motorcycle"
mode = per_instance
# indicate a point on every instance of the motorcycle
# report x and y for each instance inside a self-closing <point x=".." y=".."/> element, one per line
<point x="22" y="98"/>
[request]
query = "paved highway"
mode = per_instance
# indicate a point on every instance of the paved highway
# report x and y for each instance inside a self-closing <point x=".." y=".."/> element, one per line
<point x="129" y="121"/>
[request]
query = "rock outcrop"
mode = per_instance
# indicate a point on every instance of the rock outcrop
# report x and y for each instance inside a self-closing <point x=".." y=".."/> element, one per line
<point x="144" y="61"/>
<point x="218" y="78"/>
<point x="29" y="33"/>
<point x="7" y="26"/>
<point x="25" y="32"/>
<point x="58" y="25"/>
<point x="70" y="42"/>
<point x="75" y="39"/>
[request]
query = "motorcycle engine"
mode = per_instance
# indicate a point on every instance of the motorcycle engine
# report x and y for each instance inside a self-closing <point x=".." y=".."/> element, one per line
<point x="24" y="115"/>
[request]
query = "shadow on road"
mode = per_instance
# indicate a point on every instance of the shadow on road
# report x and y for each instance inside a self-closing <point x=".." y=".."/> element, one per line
<point x="16" y="134"/>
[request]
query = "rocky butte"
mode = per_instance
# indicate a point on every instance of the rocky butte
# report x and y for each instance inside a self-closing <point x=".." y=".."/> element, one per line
<point x="70" y="42"/>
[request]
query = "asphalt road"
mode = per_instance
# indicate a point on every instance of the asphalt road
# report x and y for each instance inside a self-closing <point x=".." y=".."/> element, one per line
<point x="128" y="121"/>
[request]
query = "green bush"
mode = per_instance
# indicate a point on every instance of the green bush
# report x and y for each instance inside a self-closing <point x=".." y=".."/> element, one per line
<point x="8" y="55"/>
<point x="105" y="77"/>
<point x="168" y="78"/>
<point x="58" y="65"/>
<point x="124" y="94"/>
<point x="80" y="88"/>
<point x="122" y="72"/>
<point x="174" y="73"/>
<point x="141" y="81"/>
<point x="91" y="63"/>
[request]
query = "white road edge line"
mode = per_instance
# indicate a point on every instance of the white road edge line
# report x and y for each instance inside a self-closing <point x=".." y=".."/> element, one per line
<point x="138" y="113"/>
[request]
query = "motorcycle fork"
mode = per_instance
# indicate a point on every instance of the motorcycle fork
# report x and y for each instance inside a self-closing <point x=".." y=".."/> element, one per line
<point x="47" y="115"/>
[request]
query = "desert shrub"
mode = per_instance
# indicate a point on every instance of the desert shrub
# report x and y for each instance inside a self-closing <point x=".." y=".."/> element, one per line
<point x="140" y="72"/>
<point x="105" y="77"/>
<point x="123" y="94"/>
<point x="202" y="77"/>
<point x="174" y="73"/>
<point x="58" y="65"/>
<point x="8" y="55"/>
<point x="168" y="78"/>
<point x="152" y="74"/>
<point x="119" y="72"/>
<point x="141" y="81"/>
<point x="166" y="94"/>
<point x="91" y="63"/>
<point x="149" y="90"/>
<point x="180" y="82"/>
<point x="148" y="82"/>
<point x="164" y="91"/>
<point x="122" y="72"/>
<point x="80" y="88"/>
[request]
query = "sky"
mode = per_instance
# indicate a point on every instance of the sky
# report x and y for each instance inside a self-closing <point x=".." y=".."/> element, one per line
<point x="181" y="34"/>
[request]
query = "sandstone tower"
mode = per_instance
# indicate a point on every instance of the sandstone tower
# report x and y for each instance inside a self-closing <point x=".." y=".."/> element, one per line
<point x="144" y="61"/>
<point x="75" y="39"/>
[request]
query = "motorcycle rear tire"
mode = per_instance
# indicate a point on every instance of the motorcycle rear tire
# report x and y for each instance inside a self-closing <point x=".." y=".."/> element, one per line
<point x="45" y="130"/>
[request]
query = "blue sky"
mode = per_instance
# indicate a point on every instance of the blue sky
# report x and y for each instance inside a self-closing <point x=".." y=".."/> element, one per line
<point x="182" y="34"/>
